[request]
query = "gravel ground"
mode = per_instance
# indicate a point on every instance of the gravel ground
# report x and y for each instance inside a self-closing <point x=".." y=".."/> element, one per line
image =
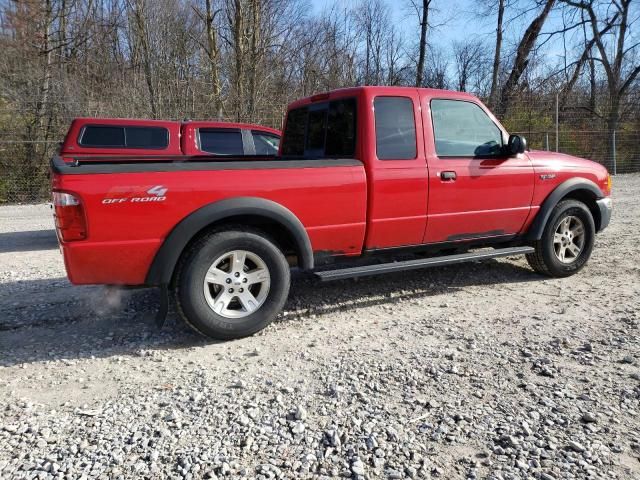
<point x="483" y="370"/>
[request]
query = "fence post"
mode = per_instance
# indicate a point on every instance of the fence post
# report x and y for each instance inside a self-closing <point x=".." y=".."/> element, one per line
<point x="557" y="122"/>
<point x="613" y="146"/>
<point x="546" y="141"/>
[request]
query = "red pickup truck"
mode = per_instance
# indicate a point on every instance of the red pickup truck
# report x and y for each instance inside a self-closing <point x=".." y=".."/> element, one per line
<point x="364" y="173"/>
<point x="96" y="138"/>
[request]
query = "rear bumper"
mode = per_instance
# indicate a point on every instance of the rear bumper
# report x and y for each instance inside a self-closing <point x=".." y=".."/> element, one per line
<point x="108" y="263"/>
<point x="606" y="206"/>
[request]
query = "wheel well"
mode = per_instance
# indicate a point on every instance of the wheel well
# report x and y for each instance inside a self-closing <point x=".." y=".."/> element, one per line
<point x="276" y="231"/>
<point x="589" y="199"/>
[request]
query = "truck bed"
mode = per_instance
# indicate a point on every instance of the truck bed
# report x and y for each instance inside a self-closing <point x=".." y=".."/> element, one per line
<point x="128" y="220"/>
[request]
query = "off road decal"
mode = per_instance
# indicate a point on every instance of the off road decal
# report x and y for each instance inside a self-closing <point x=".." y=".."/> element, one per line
<point x="136" y="194"/>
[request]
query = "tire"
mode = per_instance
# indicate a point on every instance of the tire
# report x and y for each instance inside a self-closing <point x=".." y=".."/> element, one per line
<point x="548" y="258"/>
<point x="211" y="269"/>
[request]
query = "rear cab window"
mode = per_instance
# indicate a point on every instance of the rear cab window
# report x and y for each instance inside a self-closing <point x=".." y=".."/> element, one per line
<point x="125" y="137"/>
<point x="325" y="129"/>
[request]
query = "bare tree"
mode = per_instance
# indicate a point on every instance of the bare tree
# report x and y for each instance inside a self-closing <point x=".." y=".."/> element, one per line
<point x="138" y="11"/>
<point x="421" y="8"/>
<point x="395" y="63"/>
<point x="256" y="54"/>
<point x="236" y="15"/>
<point x="436" y="72"/>
<point x="620" y="76"/>
<point x="469" y="59"/>
<point x="495" y="72"/>
<point x="372" y="21"/>
<point x="523" y="52"/>
<point x="212" y="50"/>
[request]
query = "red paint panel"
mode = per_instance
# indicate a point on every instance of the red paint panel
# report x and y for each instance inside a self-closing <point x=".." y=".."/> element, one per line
<point x="113" y="263"/>
<point x="557" y="168"/>
<point x="330" y="237"/>
<point x="397" y="188"/>
<point x="329" y="201"/>
<point x="488" y="197"/>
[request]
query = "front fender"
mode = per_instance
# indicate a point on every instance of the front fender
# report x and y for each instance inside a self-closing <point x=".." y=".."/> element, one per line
<point x="561" y="191"/>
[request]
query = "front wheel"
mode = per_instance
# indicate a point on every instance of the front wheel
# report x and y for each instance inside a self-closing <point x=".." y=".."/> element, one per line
<point x="231" y="284"/>
<point x="567" y="241"/>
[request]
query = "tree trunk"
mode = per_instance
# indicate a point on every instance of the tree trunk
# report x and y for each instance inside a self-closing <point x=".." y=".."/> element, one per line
<point x="496" y="57"/>
<point x="256" y="6"/>
<point x="139" y="15"/>
<point x="238" y="33"/>
<point x="612" y="126"/>
<point x="592" y="83"/>
<point x="462" y="86"/>
<point x="424" y="22"/>
<point x="214" y="59"/>
<point x="566" y="90"/>
<point x="46" y="74"/>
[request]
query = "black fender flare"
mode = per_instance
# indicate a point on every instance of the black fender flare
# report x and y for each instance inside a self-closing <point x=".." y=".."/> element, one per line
<point x="561" y="191"/>
<point x="167" y="256"/>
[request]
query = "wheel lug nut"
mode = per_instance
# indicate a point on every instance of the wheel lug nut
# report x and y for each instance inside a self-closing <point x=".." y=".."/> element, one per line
<point x="244" y="280"/>
<point x="231" y="290"/>
<point x="237" y="274"/>
<point x="241" y="290"/>
<point x="228" y="280"/>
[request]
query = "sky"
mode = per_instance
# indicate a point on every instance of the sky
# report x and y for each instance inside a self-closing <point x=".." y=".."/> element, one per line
<point x="455" y="13"/>
<point x="461" y="20"/>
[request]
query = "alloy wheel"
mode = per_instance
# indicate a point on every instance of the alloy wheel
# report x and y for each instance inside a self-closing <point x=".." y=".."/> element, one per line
<point x="568" y="239"/>
<point x="237" y="284"/>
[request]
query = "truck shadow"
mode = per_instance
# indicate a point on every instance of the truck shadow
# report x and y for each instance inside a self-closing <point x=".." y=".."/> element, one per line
<point x="28" y="241"/>
<point x="46" y="320"/>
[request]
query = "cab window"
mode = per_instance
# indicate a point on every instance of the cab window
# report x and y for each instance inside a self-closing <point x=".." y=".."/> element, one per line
<point x="116" y="136"/>
<point x="321" y="129"/>
<point x="395" y="128"/>
<point x="221" y="141"/>
<point x="266" y="143"/>
<point x="463" y="129"/>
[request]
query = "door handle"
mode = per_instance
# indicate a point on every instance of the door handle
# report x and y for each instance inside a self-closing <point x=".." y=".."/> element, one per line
<point x="448" y="176"/>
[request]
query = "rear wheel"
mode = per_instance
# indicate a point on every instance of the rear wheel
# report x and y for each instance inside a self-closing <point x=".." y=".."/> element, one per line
<point x="567" y="241"/>
<point x="231" y="284"/>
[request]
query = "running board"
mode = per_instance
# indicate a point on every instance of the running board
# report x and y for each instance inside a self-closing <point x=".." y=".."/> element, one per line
<point x="354" y="272"/>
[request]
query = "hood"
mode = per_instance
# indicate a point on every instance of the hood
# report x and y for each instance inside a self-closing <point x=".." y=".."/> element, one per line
<point x="562" y="161"/>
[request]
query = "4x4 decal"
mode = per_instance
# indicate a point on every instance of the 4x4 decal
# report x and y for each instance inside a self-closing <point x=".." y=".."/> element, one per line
<point x="136" y="194"/>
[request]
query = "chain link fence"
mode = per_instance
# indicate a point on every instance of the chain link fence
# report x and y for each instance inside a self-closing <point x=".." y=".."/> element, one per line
<point x="594" y="145"/>
<point x="548" y="123"/>
<point x="578" y="126"/>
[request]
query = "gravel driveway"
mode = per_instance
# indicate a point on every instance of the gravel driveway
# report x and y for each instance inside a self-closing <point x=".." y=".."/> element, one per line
<point x="483" y="370"/>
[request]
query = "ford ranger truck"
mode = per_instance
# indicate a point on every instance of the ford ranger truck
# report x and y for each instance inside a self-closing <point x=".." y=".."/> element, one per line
<point x="368" y="180"/>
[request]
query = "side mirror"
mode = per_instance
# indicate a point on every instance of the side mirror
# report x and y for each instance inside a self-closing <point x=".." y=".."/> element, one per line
<point x="516" y="144"/>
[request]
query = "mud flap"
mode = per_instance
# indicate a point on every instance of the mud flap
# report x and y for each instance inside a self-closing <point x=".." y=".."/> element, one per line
<point x="163" y="307"/>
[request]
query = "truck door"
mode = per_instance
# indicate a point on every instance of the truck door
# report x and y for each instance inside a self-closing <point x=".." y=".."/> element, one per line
<point x="396" y="169"/>
<point x="475" y="189"/>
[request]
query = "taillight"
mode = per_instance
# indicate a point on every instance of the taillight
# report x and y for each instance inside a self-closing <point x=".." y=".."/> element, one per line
<point x="69" y="215"/>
